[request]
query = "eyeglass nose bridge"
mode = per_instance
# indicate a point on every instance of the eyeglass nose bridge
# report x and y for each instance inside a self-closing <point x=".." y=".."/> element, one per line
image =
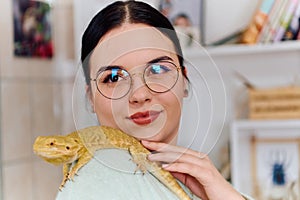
<point x="140" y="75"/>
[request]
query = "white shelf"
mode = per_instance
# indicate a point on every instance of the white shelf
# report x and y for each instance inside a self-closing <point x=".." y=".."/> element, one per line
<point x="261" y="124"/>
<point x="241" y="49"/>
<point x="266" y="65"/>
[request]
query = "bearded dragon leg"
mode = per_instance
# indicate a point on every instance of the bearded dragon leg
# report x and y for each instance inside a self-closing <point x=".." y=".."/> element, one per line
<point x="66" y="169"/>
<point x="140" y="159"/>
<point x="85" y="158"/>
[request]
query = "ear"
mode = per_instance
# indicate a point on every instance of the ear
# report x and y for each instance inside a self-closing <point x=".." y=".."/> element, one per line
<point x="186" y="82"/>
<point x="186" y="90"/>
<point x="185" y="93"/>
<point x="184" y="71"/>
<point x="89" y="96"/>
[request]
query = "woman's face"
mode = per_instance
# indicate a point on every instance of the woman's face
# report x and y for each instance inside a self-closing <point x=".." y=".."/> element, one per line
<point x="141" y="113"/>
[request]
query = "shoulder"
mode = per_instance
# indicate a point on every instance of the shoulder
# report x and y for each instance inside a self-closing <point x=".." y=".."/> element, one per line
<point x="110" y="175"/>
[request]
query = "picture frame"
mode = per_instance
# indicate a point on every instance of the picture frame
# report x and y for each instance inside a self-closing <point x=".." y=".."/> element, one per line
<point x="32" y="29"/>
<point x="275" y="167"/>
<point x="188" y="19"/>
<point x="265" y="158"/>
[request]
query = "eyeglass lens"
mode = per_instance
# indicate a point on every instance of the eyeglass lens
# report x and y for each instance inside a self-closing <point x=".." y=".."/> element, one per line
<point x="115" y="82"/>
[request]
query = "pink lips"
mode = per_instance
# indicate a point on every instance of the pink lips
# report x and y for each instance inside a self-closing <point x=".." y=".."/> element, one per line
<point x="144" y="118"/>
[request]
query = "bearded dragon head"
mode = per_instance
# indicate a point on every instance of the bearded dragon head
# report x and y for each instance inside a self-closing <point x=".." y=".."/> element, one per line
<point x="57" y="149"/>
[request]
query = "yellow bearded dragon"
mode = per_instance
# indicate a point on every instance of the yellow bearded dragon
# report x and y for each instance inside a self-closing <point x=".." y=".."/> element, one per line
<point x="81" y="145"/>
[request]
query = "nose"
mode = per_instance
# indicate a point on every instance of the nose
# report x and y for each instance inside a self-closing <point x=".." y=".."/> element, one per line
<point x="139" y="93"/>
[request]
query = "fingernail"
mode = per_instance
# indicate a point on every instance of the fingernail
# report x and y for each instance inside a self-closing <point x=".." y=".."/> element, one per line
<point x="145" y="142"/>
<point x="150" y="155"/>
<point x="165" y="165"/>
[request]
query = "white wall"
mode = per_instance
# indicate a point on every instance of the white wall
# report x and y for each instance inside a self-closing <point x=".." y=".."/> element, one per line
<point x="223" y="18"/>
<point x="35" y="100"/>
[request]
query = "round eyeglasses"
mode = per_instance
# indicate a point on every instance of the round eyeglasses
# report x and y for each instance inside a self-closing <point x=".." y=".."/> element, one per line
<point x="114" y="82"/>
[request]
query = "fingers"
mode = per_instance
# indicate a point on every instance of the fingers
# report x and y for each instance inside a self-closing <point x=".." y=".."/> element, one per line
<point x="195" y="169"/>
<point x="192" y="183"/>
<point x="158" y="146"/>
<point x="163" y="147"/>
<point x="202" y="173"/>
<point x="182" y="160"/>
<point x="178" y="157"/>
<point x="187" y="165"/>
<point x="168" y="153"/>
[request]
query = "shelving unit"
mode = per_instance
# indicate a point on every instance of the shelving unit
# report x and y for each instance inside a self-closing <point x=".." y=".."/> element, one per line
<point x="258" y="63"/>
<point x="242" y="132"/>
<point x="263" y="65"/>
<point x="241" y="49"/>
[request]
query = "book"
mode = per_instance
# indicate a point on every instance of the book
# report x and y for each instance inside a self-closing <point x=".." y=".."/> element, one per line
<point x="260" y="17"/>
<point x="274" y="24"/>
<point x="293" y="29"/>
<point x="270" y="20"/>
<point x="298" y="37"/>
<point x="285" y="20"/>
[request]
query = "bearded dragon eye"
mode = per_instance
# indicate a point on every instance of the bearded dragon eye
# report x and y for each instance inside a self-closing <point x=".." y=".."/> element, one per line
<point x="67" y="147"/>
<point x="52" y="143"/>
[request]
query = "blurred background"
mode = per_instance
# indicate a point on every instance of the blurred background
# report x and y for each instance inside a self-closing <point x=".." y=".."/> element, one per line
<point x="250" y="85"/>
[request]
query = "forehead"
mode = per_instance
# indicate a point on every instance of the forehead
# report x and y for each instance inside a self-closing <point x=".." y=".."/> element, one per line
<point x="143" y="41"/>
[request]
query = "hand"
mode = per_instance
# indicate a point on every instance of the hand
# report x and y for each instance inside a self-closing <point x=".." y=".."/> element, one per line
<point x="194" y="169"/>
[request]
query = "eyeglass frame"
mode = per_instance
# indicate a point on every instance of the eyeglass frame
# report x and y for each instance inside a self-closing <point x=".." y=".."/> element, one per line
<point x="178" y="69"/>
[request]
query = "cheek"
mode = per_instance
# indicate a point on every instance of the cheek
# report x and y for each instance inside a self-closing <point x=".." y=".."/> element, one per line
<point x="178" y="92"/>
<point x="109" y="112"/>
<point x="103" y="110"/>
<point x="173" y="100"/>
<point x="173" y="103"/>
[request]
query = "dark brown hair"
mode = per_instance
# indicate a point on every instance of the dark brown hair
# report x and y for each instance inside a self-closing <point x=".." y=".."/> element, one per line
<point x="115" y="15"/>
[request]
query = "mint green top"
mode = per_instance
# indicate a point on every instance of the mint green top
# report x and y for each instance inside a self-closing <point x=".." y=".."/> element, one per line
<point x="110" y="175"/>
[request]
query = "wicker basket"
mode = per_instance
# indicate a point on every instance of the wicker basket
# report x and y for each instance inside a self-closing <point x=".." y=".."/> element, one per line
<point x="278" y="103"/>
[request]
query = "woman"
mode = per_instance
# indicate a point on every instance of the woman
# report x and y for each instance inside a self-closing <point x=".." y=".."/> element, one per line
<point x="136" y="81"/>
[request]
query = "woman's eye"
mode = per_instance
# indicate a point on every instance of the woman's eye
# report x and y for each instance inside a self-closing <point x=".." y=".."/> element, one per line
<point x="113" y="75"/>
<point x="158" y="69"/>
<point x="111" y="78"/>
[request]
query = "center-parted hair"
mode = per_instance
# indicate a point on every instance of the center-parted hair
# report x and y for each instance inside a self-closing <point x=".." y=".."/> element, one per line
<point x="118" y="13"/>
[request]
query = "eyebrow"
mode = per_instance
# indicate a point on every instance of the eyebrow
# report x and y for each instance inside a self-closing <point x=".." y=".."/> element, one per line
<point x="159" y="59"/>
<point x="155" y="60"/>
<point x="109" y="67"/>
